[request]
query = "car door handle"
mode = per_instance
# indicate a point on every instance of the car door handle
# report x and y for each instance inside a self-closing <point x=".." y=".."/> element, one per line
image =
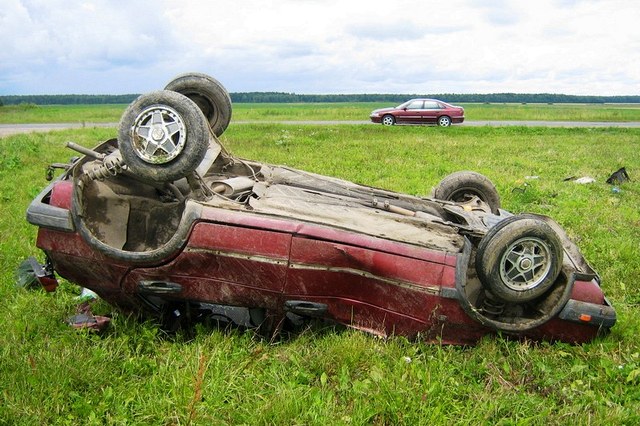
<point x="159" y="287"/>
<point x="302" y="307"/>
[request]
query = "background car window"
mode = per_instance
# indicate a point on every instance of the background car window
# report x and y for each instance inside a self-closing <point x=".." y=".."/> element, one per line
<point x="431" y="105"/>
<point x="415" y="105"/>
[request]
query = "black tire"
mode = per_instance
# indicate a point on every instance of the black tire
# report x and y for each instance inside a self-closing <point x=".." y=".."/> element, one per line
<point x="444" y="121"/>
<point x="210" y="96"/>
<point x="461" y="186"/>
<point x="163" y="136"/>
<point x="519" y="259"/>
<point x="388" y="120"/>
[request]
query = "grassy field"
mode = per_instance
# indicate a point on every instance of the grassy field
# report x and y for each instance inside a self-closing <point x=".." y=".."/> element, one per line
<point x="329" y="111"/>
<point x="135" y="374"/>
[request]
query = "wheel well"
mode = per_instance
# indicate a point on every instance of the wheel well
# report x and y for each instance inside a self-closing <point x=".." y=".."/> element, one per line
<point x="507" y="316"/>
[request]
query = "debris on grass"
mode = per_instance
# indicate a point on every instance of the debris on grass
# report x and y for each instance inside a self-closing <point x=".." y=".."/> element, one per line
<point x="618" y="177"/>
<point x="31" y="275"/>
<point x="86" y="295"/>
<point x="585" y="180"/>
<point x="84" y="319"/>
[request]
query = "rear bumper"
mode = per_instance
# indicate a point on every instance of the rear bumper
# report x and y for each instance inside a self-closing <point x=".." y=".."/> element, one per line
<point x="589" y="313"/>
<point x="43" y="214"/>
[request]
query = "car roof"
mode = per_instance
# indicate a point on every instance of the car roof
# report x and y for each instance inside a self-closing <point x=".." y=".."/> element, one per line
<point x="426" y="99"/>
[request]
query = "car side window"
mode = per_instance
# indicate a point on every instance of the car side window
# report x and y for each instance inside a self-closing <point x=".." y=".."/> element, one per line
<point x="431" y="105"/>
<point x="415" y="105"/>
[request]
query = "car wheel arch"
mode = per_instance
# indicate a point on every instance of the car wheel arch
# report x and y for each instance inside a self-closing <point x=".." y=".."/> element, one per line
<point x="519" y="259"/>
<point x="388" y="120"/>
<point x="546" y="307"/>
<point x="444" y="121"/>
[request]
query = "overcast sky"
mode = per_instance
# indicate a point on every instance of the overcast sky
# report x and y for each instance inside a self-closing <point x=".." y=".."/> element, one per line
<point x="588" y="47"/>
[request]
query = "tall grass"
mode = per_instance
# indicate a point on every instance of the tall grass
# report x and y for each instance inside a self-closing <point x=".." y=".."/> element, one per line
<point x="135" y="374"/>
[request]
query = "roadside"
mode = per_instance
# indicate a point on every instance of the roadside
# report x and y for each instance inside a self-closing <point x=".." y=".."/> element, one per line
<point x="12" y="129"/>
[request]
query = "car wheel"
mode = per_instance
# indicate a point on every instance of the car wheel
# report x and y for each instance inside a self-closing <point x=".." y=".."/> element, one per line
<point x="388" y="120"/>
<point x="163" y="136"/>
<point x="519" y="259"/>
<point x="462" y="186"/>
<point x="210" y="96"/>
<point x="444" y="121"/>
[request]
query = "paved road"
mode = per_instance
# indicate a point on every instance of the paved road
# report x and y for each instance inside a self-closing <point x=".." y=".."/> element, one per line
<point x="11" y="129"/>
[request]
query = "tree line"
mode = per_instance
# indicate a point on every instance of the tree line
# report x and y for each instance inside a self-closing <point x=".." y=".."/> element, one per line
<point x="258" y="97"/>
<point x="283" y="97"/>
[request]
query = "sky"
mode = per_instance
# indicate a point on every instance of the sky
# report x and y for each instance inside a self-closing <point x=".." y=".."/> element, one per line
<point x="578" y="47"/>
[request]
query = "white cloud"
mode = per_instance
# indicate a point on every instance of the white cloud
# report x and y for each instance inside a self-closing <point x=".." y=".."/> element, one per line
<point x="331" y="46"/>
<point x="70" y="46"/>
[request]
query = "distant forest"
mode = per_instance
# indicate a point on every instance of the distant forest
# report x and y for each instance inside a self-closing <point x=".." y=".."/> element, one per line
<point x="282" y="97"/>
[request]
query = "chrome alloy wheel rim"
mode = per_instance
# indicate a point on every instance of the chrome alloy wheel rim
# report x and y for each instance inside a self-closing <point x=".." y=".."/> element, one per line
<point x="159" y="134"/>
<point x="525" y="264"/>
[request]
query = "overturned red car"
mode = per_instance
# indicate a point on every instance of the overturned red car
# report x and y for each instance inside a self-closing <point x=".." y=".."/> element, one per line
<point x="162" y="219"/>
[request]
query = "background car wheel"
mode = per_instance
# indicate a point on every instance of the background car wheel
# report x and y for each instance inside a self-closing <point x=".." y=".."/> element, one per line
<point x="461" y="186"/>
<point x="210" y="96"/>
<point x="519" y="259"/>
<point x="388" y="120"/>
<point x="163" y="136"/>
<point x="444" y="121"/>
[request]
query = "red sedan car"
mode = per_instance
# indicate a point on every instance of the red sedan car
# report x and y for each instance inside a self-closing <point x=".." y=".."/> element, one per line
<point x="419" y="111"/>
<point x="164" y="220"/>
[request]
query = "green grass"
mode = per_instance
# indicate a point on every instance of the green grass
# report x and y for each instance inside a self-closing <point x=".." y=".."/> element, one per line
<point x="329" y="111"/>
<point x="134" y="374"/>
<point x="30" y="113"/>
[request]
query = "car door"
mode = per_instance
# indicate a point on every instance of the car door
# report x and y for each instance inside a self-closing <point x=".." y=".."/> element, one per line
<point x="224" y="264"/>
<point x="411" y="113"/>
<point x="369" y="289"/>
<point x="431" y="112"/>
